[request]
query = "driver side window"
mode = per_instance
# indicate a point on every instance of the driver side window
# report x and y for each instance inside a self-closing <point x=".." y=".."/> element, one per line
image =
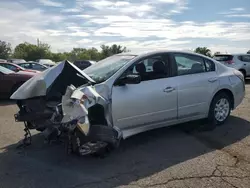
<point x="151" y="68"/>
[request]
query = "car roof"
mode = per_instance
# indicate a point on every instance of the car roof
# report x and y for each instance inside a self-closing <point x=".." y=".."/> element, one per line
<point x="8" y="63"/>
<point x="234" y="54"/>
<point x="152" y="52"/>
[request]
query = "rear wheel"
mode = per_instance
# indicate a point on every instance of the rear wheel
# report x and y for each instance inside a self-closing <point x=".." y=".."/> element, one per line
<point x="220" y="109"/>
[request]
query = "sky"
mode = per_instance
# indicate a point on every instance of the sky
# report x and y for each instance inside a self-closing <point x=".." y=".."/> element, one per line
<point x="221" y="25"/>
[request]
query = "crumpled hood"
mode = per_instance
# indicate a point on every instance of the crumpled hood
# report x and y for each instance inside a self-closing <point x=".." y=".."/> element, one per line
<point x="56" y="78"/>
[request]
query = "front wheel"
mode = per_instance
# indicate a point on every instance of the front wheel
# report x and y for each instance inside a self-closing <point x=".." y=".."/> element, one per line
<point x="220" y="109"/>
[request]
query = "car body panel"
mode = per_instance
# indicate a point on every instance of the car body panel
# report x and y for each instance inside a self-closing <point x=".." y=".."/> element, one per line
<point x="139" y="108"/>
<point x="197" y="85"/>
<point x="40" y="84"/>
<point x="15" y="67"/>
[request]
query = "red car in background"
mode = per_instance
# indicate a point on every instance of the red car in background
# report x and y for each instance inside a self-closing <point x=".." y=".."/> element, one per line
<point x="10" y="81"/>
<point x="16" y="68"/>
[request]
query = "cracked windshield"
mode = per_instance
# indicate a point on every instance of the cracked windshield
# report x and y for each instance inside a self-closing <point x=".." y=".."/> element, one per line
<point x="124" y="94"/>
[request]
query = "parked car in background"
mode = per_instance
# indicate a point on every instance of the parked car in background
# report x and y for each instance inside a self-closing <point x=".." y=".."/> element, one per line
<point x="3" y="60"/>
<point x="127" y="94"/>
<point x="10" y="81"/>
<point x="240" y="62"/>
<point x="33" y="66"/>
<point x="46" y="62"/>
<point x="16" y="67"/>
<point x="16" y="60"/>
<point x="83" y="64"/>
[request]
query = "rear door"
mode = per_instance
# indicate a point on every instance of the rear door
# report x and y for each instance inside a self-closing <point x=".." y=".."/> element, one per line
<point x="197" y="81"/>
<point x="246" y="61"/>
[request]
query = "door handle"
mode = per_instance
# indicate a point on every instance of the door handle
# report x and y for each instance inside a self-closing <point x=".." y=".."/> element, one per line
<point x="168" y="89"/>
<point x="213" y="79"/>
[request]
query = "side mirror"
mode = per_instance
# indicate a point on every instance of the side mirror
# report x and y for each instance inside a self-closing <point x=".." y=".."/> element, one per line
<point x="129" y="79"/>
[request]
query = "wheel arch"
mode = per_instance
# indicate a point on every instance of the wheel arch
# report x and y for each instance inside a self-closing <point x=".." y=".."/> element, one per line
<point x="228" y="92"/>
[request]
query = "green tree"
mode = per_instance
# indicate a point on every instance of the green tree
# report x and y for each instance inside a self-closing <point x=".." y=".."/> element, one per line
<point x="203" y="50"/>
<point x="59" y="56"/>
<point x="5" y="50"/>
<point x="31" y="52"/>
<point x="107" y="51"/>
<point x="94" y="54"/>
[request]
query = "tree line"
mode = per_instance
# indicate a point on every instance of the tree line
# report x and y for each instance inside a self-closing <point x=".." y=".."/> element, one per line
<point x="31" y="52"/>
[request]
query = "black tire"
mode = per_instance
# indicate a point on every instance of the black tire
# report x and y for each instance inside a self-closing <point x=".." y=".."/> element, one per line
<point x="213" y="121"/>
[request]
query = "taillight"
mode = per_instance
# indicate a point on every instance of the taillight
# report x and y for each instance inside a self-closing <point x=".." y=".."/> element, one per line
<point x="230" y="62"/>
<point x="239" y="75"/>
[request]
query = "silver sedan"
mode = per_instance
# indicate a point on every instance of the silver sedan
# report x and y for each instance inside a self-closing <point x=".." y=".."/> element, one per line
<point x="129" y="93"/>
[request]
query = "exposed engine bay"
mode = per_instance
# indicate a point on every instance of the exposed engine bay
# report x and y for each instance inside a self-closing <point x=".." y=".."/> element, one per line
<point x="62" y="103"/>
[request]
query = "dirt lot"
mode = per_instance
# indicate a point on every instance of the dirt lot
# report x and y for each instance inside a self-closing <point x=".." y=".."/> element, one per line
<point x="169" y="157"/>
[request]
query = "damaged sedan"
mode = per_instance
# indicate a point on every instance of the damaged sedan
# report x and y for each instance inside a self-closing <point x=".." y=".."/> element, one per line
<point x="124" y="95"/>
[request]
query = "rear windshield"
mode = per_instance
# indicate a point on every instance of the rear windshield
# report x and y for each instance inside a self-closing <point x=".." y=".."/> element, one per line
<point x="223" y="57"/>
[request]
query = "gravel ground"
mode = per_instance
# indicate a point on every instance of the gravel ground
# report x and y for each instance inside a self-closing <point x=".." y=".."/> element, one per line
<point x="168" y="157"/>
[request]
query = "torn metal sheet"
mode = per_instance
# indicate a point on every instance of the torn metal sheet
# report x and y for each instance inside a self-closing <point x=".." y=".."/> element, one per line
<point x="42" y="83"/>
<point x="75" y="102"/>
<point x="72" y="109"/>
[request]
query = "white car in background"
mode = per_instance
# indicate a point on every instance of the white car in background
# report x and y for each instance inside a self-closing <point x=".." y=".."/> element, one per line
<point x="46" y="62"/>
<point x="16" y="61"/>
<point x="240" y="62"/>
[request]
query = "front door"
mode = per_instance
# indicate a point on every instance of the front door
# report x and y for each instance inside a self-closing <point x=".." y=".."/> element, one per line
<point x="148" y="103"/>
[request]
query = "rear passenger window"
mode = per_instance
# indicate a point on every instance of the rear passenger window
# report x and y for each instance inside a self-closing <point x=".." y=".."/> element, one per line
<point x="189" y="64"/>
<point x="210" y="66"/>
<point x="245" y="58"/>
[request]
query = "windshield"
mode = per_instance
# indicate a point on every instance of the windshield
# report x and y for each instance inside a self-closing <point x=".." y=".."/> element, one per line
<point x="104" y="69"/>
<point x="5" y="70"/>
